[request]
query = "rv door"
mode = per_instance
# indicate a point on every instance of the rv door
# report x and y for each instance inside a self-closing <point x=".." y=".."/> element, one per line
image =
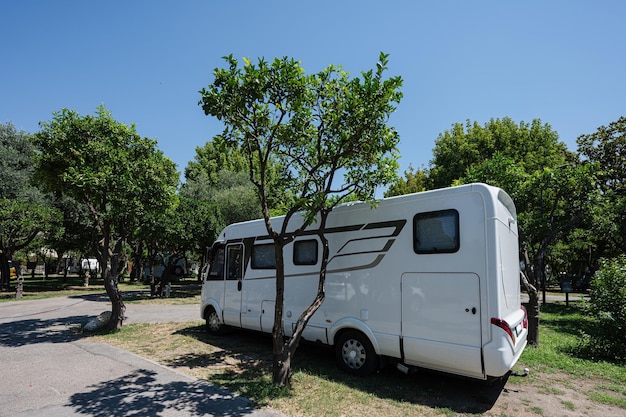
<point x="233" y="284"/>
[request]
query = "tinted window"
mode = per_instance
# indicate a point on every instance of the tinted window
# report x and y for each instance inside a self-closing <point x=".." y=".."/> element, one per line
<point x="305" y="252"/>
<point x="436" y="232"/>
<point x="263" y="256"/>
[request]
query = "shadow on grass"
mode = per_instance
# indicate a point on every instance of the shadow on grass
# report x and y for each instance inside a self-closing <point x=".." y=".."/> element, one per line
<point x="253" y="352"/>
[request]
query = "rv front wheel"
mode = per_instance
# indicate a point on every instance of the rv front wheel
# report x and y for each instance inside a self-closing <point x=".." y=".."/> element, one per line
<point x="355" y="354"/>
<point x="213" y="323"/>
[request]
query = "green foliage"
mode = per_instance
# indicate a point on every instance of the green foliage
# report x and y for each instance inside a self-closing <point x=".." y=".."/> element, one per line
<point x="321" y="127"/>
<point x="607" y="146"/>
<point x="607" y="306"/>
<point x="313" y="124"/>
<point x="531" y="146"/>
<point x="16" y="165"/>
<point x="22" y="220"/>
<point x="415" y="182"/>
<point x="120" y="178"/>
<point x="25" y="211"/>
<point x="106" y="165"/>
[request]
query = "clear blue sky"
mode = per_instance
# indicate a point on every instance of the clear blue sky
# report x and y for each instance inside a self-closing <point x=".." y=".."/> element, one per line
<point x="561" y="61"/>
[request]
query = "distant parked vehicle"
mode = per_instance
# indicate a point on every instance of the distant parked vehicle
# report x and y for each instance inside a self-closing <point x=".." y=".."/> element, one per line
<point x="90" y="264"/>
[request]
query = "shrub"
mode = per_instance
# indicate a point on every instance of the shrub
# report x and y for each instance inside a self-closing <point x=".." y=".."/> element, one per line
<point x="607" y="306"/>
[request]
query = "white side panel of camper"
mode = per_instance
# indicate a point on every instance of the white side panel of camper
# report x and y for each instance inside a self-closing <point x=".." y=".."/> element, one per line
<point x="429" y="279"/>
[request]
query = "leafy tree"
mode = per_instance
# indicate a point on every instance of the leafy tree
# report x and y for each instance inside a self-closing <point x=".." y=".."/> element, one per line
<point x="415" y="182"/>
<point x="21" y="222"/>
<point x="320" y="126"/>
<point x="607" y="148"/>
<point x="532" y="146"/>
<point x="232" y="195"/>
<point x="211" y="159"/>
<point x="118" y="176"/>
<point x="24" y="210"/>
<point x="220" y="174"/>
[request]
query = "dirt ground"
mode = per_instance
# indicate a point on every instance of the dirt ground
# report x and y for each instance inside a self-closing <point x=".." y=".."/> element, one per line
<point x="549" y="395"/>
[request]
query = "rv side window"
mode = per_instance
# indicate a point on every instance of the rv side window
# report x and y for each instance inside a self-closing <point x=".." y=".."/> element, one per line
<point x="436" y="232"/>
<point x="263" y="256"/>
<point x="305" y="252"/>
<point x="216" y="271"/>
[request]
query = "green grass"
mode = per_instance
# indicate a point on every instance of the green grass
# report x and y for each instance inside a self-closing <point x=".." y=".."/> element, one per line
<point x="184" y="292"/>
<point x="241" y="362"/>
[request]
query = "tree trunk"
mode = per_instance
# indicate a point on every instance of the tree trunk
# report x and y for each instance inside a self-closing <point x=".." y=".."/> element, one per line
<point x="118" y="309"/>
<point x="281" y="369"/>
<point x="533" y="310"/>
<point x="533" y="317"/>
<point x="282" y="362"/>
<point x="19" y="288"/>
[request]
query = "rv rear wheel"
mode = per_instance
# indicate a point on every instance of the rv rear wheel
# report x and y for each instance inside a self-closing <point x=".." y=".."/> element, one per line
<point x="355" y="354"/>
<point x="213" y="323"/>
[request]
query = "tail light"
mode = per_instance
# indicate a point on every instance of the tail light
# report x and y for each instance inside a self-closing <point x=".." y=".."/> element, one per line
<point x="525" y="321"/>
<point x="504" y="326"/>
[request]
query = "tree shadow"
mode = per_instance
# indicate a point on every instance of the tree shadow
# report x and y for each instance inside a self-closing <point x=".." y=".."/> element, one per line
<point x="254" y="352"/>
<point x="140" y="393"/>
<point x="32" y="331"/>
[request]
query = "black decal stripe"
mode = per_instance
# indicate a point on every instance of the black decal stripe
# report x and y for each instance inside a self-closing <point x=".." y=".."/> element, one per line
<point x="383" y="249"/>
<point x="397" y="224"/>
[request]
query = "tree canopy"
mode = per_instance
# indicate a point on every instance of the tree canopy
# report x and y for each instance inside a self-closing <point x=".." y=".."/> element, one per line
<point x="330" y="130"/>
<point x="25" y="211"/>
<point x="118" y="176"/>
<point x="532" y="145"/>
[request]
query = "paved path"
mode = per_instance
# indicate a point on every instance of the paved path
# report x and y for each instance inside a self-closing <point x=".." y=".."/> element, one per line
<point x="46" y="370"/>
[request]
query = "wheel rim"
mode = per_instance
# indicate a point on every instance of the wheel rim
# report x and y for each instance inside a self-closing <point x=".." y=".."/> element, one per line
<point x="214" y="322"/>
<point x="353" y="354"/>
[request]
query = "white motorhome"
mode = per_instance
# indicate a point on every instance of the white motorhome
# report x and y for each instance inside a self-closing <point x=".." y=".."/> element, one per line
<point x="428" y="280"/>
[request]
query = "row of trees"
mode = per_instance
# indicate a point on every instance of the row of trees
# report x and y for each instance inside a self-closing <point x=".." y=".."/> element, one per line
<point x="296" y="142"/>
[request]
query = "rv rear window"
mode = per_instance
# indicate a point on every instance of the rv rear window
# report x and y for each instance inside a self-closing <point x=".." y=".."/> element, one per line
<point x="305" y="252"/>
<point x="263" y="257"/>
<point x="436" y="232"/>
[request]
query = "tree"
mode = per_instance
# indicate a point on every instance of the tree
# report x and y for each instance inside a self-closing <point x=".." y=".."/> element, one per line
<point x="25" y="211"/>
<point x="118" y="176"/>
<point x="321" y="126"/>
<point x="533" y="146"/>
<point x="415" y="182"/>
<point x="607" y="147"/>
<point x="219" y="174"/>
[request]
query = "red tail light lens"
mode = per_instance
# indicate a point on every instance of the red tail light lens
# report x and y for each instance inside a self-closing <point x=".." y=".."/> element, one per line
<point x="525" y="321"/>
<point x="504" y="326"/>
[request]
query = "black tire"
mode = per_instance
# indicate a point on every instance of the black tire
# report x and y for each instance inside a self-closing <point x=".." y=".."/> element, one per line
<point x="355" y="353"/>
<point x="214" y="324"/>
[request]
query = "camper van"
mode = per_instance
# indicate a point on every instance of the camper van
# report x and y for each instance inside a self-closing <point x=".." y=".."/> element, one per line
<point x="427" y="280"/>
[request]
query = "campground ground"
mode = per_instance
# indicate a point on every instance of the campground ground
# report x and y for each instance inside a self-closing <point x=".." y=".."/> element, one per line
<point x="172" y="335"/>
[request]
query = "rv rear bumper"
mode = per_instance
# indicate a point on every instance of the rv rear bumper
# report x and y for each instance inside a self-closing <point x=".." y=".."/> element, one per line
<point x="500" y="356"/>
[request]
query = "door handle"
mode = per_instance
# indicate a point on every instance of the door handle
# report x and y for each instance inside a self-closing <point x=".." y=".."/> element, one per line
<point x="473" y="310"/>
<point x="239" y="285"/>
